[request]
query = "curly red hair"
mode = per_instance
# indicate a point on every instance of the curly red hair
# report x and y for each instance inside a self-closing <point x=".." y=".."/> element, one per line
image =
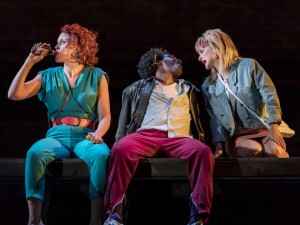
<point x="85" y="39"/>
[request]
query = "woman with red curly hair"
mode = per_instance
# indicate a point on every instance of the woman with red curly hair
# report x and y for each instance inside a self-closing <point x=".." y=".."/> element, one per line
<point x="77" y="98"/>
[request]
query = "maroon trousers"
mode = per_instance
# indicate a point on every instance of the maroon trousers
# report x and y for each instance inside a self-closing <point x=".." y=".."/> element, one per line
<point x="127" y="152"/>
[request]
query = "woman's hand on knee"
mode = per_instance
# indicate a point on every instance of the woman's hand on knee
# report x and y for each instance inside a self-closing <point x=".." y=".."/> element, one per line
<point x="94" y="137"/>
<point x="276" y="136"/>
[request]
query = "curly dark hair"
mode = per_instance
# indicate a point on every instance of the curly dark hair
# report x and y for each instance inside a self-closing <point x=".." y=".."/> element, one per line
<point x="86" y="40"/>
<point x="146" y="68"/>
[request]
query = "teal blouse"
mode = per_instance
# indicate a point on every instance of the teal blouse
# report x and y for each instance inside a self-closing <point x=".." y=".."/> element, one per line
<point x="83" y="101"/>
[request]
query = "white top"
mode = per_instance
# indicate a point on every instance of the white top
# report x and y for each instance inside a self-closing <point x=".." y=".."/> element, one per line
<point x="169" y="110"/>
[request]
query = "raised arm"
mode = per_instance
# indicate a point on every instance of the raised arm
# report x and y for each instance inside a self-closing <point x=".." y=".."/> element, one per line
<point x="19" y="89"/>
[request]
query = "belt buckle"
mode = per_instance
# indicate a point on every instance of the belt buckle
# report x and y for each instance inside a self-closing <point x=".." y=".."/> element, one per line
<point x="79" y="121"/>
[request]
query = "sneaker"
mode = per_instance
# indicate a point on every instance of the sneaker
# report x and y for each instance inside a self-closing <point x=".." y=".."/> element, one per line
<point x="111" y="221"/>
<point x="196" y="223"/>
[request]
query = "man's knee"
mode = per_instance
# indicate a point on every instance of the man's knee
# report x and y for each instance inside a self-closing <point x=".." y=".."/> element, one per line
<point x="204" y="151"/>
<point x="122" y="149"/>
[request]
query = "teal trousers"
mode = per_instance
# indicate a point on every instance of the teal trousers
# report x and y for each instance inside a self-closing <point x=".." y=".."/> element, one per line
<point x="65" y="141"/>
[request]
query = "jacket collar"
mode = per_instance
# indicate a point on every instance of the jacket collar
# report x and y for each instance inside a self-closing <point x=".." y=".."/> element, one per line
<point x="179" y="81"/>
<point x="218" y="88"/>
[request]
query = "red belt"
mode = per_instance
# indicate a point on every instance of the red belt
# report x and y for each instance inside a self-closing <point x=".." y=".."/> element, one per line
<point x="74" y="121"/>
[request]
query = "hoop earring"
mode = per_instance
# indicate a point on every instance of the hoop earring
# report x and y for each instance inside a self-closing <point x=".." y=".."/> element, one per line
<point x="74" y="55"/>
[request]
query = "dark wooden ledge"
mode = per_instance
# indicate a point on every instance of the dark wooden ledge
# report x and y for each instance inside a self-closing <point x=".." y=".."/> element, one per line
<point x="75" y="170"/>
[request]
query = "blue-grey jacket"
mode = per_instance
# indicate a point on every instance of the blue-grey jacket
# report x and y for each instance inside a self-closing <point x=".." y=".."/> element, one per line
<point x="249" y="81"/>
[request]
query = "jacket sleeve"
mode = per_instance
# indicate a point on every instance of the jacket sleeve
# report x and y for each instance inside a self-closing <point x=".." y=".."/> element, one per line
<point x="196" y="102"/>
<point x="125" y="114"/>
<point x="217" y="129"/>
<point x="268" y="93"/>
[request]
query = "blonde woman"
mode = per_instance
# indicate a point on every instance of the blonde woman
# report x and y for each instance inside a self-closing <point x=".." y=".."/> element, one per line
<point x="233" y="127"/>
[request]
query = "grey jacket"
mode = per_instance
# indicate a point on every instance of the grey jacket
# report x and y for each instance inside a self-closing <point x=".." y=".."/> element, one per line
<point x="249" y="81"/>
<point x="135" y="99"/>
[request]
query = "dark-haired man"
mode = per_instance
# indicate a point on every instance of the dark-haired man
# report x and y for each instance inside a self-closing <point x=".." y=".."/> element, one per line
<point x="160" y="113"/>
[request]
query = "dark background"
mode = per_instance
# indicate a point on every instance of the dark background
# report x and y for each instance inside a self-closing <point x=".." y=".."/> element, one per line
<point x="265" y="30"/>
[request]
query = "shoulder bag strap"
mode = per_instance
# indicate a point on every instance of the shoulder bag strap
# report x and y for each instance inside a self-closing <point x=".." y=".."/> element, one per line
<point x="63" y="105"/>
<point x="262" y="120"/>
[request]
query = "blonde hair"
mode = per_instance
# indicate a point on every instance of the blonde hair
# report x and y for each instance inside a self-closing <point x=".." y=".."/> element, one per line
<point x="222" y="45"/>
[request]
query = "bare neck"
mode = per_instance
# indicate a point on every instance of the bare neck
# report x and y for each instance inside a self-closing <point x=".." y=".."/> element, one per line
<point x="222" y="71"/>
<point x="73" y="70"/>
<point x="164" y="78"/>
